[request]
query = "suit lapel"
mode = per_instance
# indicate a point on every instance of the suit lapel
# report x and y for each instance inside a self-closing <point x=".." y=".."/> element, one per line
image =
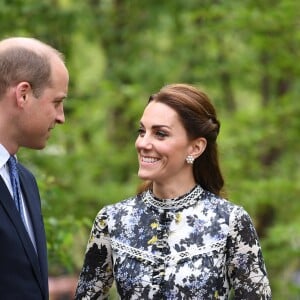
<point x="31" y="197"/>
<point x="7" y="202"/>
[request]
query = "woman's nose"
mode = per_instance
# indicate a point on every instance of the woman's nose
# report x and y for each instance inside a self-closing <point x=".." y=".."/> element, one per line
<point x="143" y="142"/>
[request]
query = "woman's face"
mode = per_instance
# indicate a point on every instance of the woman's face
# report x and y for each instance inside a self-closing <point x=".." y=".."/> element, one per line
<point x="162" y="145"/>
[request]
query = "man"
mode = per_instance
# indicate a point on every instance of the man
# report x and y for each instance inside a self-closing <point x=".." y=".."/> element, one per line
<point x="33" y="85"/>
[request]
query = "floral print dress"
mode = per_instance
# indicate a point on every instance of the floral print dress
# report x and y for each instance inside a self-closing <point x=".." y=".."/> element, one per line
<point x="197" y="246"/>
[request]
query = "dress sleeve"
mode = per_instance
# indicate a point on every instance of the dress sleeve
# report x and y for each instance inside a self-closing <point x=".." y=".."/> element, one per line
<point x="246" y="268"/>
<point x="96" y="276"/>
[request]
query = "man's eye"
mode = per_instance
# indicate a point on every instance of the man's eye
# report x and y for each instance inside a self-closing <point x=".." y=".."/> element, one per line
<point x="58" y="103"/>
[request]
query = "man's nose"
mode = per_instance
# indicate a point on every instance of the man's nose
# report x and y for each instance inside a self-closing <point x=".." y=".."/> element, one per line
<point x="60" y="118"/>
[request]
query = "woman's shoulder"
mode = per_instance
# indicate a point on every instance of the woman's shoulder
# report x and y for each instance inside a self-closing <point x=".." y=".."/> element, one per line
<point x="223" y="209"/>
<point x="220" y="204"/>
<point x="129" y="201"/>
<point x="124" y="204"/>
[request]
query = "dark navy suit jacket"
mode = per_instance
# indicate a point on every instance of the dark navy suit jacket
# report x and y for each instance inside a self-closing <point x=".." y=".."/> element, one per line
<point x="23" y="271"/>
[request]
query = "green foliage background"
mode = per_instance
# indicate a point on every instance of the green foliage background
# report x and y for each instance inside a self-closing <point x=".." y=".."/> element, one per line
<point x="244" y="54"/>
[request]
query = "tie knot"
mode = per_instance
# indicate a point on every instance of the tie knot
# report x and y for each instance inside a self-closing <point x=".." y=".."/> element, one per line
<point x="12" y="163"/>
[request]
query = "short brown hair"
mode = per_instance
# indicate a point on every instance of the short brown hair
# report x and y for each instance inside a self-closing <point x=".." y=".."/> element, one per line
<point x="19" y="64"/>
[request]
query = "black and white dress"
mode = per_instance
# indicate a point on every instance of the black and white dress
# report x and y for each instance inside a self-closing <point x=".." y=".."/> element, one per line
<point x="198" y="246"/>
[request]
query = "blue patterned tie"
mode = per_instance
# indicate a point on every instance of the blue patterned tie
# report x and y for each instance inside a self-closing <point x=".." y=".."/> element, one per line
<point x="15" y="182"/>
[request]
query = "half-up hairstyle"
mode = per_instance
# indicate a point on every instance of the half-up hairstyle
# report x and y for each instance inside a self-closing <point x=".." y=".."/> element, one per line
<point x="198" y="116"/>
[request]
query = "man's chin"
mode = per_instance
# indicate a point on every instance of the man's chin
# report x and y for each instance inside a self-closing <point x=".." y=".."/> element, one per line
<point x="39" y="146"/>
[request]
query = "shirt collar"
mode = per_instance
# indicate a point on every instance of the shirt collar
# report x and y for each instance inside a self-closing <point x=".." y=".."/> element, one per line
<point x="4" y="156"/>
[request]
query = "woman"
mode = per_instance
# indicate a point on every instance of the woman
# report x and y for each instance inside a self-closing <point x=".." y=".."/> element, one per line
<point x="178" y="238"/>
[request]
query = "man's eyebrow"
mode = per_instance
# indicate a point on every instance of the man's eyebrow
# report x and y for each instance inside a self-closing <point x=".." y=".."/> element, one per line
<point x="61" y="98"/>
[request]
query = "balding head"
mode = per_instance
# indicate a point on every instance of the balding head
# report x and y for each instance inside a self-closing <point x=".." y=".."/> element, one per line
<point x="30" y="44"/>
<point x="26" y="59"/>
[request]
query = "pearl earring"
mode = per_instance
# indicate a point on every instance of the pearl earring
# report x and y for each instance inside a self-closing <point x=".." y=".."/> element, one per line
<point x="190" y="159"/>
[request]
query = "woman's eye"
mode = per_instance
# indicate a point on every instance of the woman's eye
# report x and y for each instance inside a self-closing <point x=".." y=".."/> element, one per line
<point x="141" y="131"/>
<point x="161" y="134"/>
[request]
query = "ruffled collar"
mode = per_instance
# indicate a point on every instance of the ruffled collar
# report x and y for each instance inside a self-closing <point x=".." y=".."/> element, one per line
<point x="183" y="201"/>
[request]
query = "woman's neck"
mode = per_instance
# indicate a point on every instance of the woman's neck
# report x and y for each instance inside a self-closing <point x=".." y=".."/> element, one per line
<point x="163" y="191"/>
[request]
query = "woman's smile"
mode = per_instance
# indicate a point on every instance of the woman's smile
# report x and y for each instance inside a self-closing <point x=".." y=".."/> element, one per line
<point x="149" y="159"/>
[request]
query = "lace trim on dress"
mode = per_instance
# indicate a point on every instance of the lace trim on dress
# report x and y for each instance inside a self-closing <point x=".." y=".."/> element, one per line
<point x="146" y="256"/>
<point x="176" y="203"/>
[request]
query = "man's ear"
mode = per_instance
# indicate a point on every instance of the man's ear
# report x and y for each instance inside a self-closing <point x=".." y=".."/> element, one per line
<point x="198" y="147"/>
<point x="23" y="89"/>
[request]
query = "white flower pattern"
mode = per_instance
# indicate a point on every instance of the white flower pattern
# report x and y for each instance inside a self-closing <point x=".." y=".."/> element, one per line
<point x="198" y="246"/>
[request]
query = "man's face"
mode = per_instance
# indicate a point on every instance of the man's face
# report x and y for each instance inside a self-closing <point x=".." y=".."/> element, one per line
<point x="43" y="113"/>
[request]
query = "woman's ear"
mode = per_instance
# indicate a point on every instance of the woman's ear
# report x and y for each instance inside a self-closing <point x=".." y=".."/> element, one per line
<point x="22" y="93"/>
<point x="198" y="146"/>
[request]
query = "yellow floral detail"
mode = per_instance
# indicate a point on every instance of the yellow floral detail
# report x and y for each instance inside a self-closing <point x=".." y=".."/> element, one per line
<point x="216" y="295"/>
<point x="154" y="225"/>
<point x="153" y="240"/>
<point x="101" y="223"/>
<point x="178" y="217"/>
